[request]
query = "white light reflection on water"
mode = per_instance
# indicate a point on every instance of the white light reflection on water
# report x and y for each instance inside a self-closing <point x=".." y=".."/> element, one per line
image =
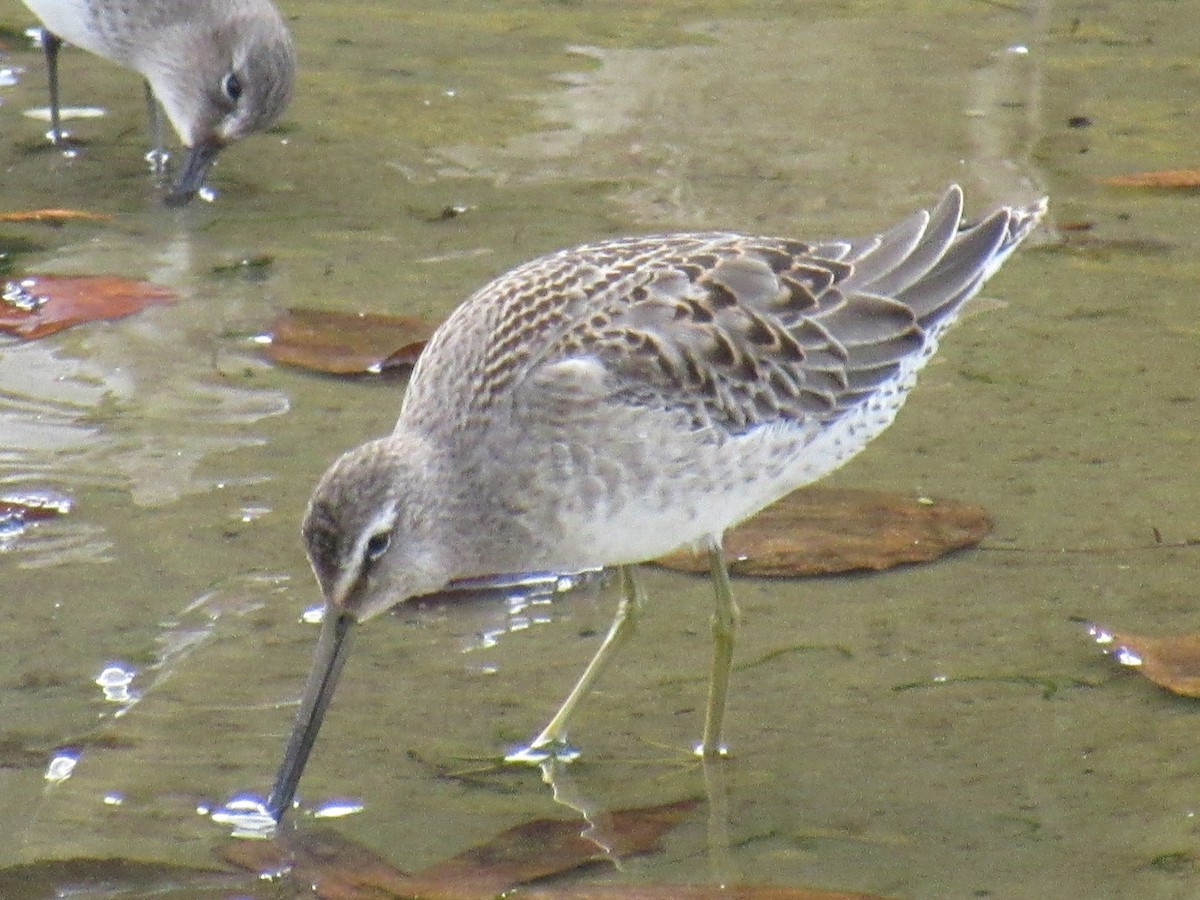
<point x="246" y="815"/>
<point x="62" y="764"/>
<point x="337" y="809"/>
<point x="115" y="680"/>
<point x="493" y="606"/>
<point x="508" y="604"/>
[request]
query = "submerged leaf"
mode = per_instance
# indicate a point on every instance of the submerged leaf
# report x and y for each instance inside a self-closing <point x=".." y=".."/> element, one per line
<point x="340" y="869"/>
<point x="33" y="505"/>
<point x="19" y="509"/>
<point x="54" y="216"/>
<point x="340" y="343"/>
<point x="546" y="847"/>
<point x="107" y="878"/>
<point x="1170" y="662"/>
<point x="822" y="531"/>
<point x="333" y="868"/>
<point x="38" y="305"/>
<point x="1166" y="178"/>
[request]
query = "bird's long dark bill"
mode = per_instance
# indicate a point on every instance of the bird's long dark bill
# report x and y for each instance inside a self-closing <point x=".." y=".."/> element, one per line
<point x="195" y="169"/>
<point x="332" y="648"/>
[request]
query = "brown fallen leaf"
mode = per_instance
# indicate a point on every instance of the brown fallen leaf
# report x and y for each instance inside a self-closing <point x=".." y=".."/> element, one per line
<point x="33" y="505"/>
<point x="19" y="509"/>
<point x="822" y="531"/>
<point x="108" y="877"/>
<point x="547" y="847"/>
<point x="54" y="216"/>
<point x="523" y="853"/>
<point x="1170" y="662"/>
<point x="333" y="868"/>
<point x="38" y="305"/>
<point x="340" y="343"/>
<point x="1167" y="178"/>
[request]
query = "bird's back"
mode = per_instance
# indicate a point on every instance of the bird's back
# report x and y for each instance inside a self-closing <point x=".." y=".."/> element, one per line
<point x="738" y="331"/>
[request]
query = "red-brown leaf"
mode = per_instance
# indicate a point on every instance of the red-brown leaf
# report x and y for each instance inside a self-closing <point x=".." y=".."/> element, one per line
<point x="32" y="505"/>
<point x="546" y="847"/>
<point x="54" y="216"/>
<point x="1171" y="662"/>
<point x="340" y="343"/>
<point x="337" y="869"/>
<point x="821" y="531"/>
<point x="20" y="508"/>
<point x="1166" y="178"/>
<point x="38" y="305"/>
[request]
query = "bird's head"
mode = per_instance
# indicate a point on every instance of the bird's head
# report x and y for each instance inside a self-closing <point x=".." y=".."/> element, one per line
<point x="220" y="87"/>
<point x="371" y="529"/>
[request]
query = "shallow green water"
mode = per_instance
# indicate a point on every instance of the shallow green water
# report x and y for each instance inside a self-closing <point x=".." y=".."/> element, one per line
<point x="1066" y="403"/>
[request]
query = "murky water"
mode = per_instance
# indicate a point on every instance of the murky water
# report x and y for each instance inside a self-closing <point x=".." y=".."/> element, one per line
<point x="1067" y="404"/>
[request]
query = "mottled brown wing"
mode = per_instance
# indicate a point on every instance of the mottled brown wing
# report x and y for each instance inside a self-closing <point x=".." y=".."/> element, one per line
<point x="739" y="331"/>
<point x="727" y="329"/>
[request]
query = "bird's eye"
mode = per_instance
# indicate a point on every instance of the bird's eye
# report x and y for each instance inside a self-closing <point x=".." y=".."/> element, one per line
<point x="232" y="87"/>
<point x="377" y="545"/>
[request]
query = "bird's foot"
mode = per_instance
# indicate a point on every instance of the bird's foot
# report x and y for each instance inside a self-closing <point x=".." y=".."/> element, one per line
<point x="720" y="751"/>
<point x="542" y="751"/>
<point x="157" y="159"/>
<point x="60" y="140"/>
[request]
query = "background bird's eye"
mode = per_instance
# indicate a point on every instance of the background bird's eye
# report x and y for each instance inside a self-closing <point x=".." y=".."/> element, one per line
<point x="232" y="86"/>
<point x="377" y="545"/>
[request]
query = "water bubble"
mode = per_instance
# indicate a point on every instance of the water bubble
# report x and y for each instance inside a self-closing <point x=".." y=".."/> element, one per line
<point x="62" y="764"/>
<point x="1126" y="657"/>
<point x="248" y="816"/>
<point x="18" y="295"/>
<point x="115" y="680"/>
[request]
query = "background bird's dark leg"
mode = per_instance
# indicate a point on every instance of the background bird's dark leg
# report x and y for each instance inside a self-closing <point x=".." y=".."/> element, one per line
<point x="157" y="155"/>
<point x="50" y="46"/>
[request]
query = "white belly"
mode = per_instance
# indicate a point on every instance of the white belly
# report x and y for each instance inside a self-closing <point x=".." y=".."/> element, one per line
<point x="674" y="493"/>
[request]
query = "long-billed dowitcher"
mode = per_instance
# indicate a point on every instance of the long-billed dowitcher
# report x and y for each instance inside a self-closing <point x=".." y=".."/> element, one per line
<point x="604" y="405"/>
<point x="222" y="69"/>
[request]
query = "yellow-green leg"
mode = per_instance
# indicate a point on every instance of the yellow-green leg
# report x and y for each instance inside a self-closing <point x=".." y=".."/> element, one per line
<point x="552" y="739"/>
<point x="724" y="629"/>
